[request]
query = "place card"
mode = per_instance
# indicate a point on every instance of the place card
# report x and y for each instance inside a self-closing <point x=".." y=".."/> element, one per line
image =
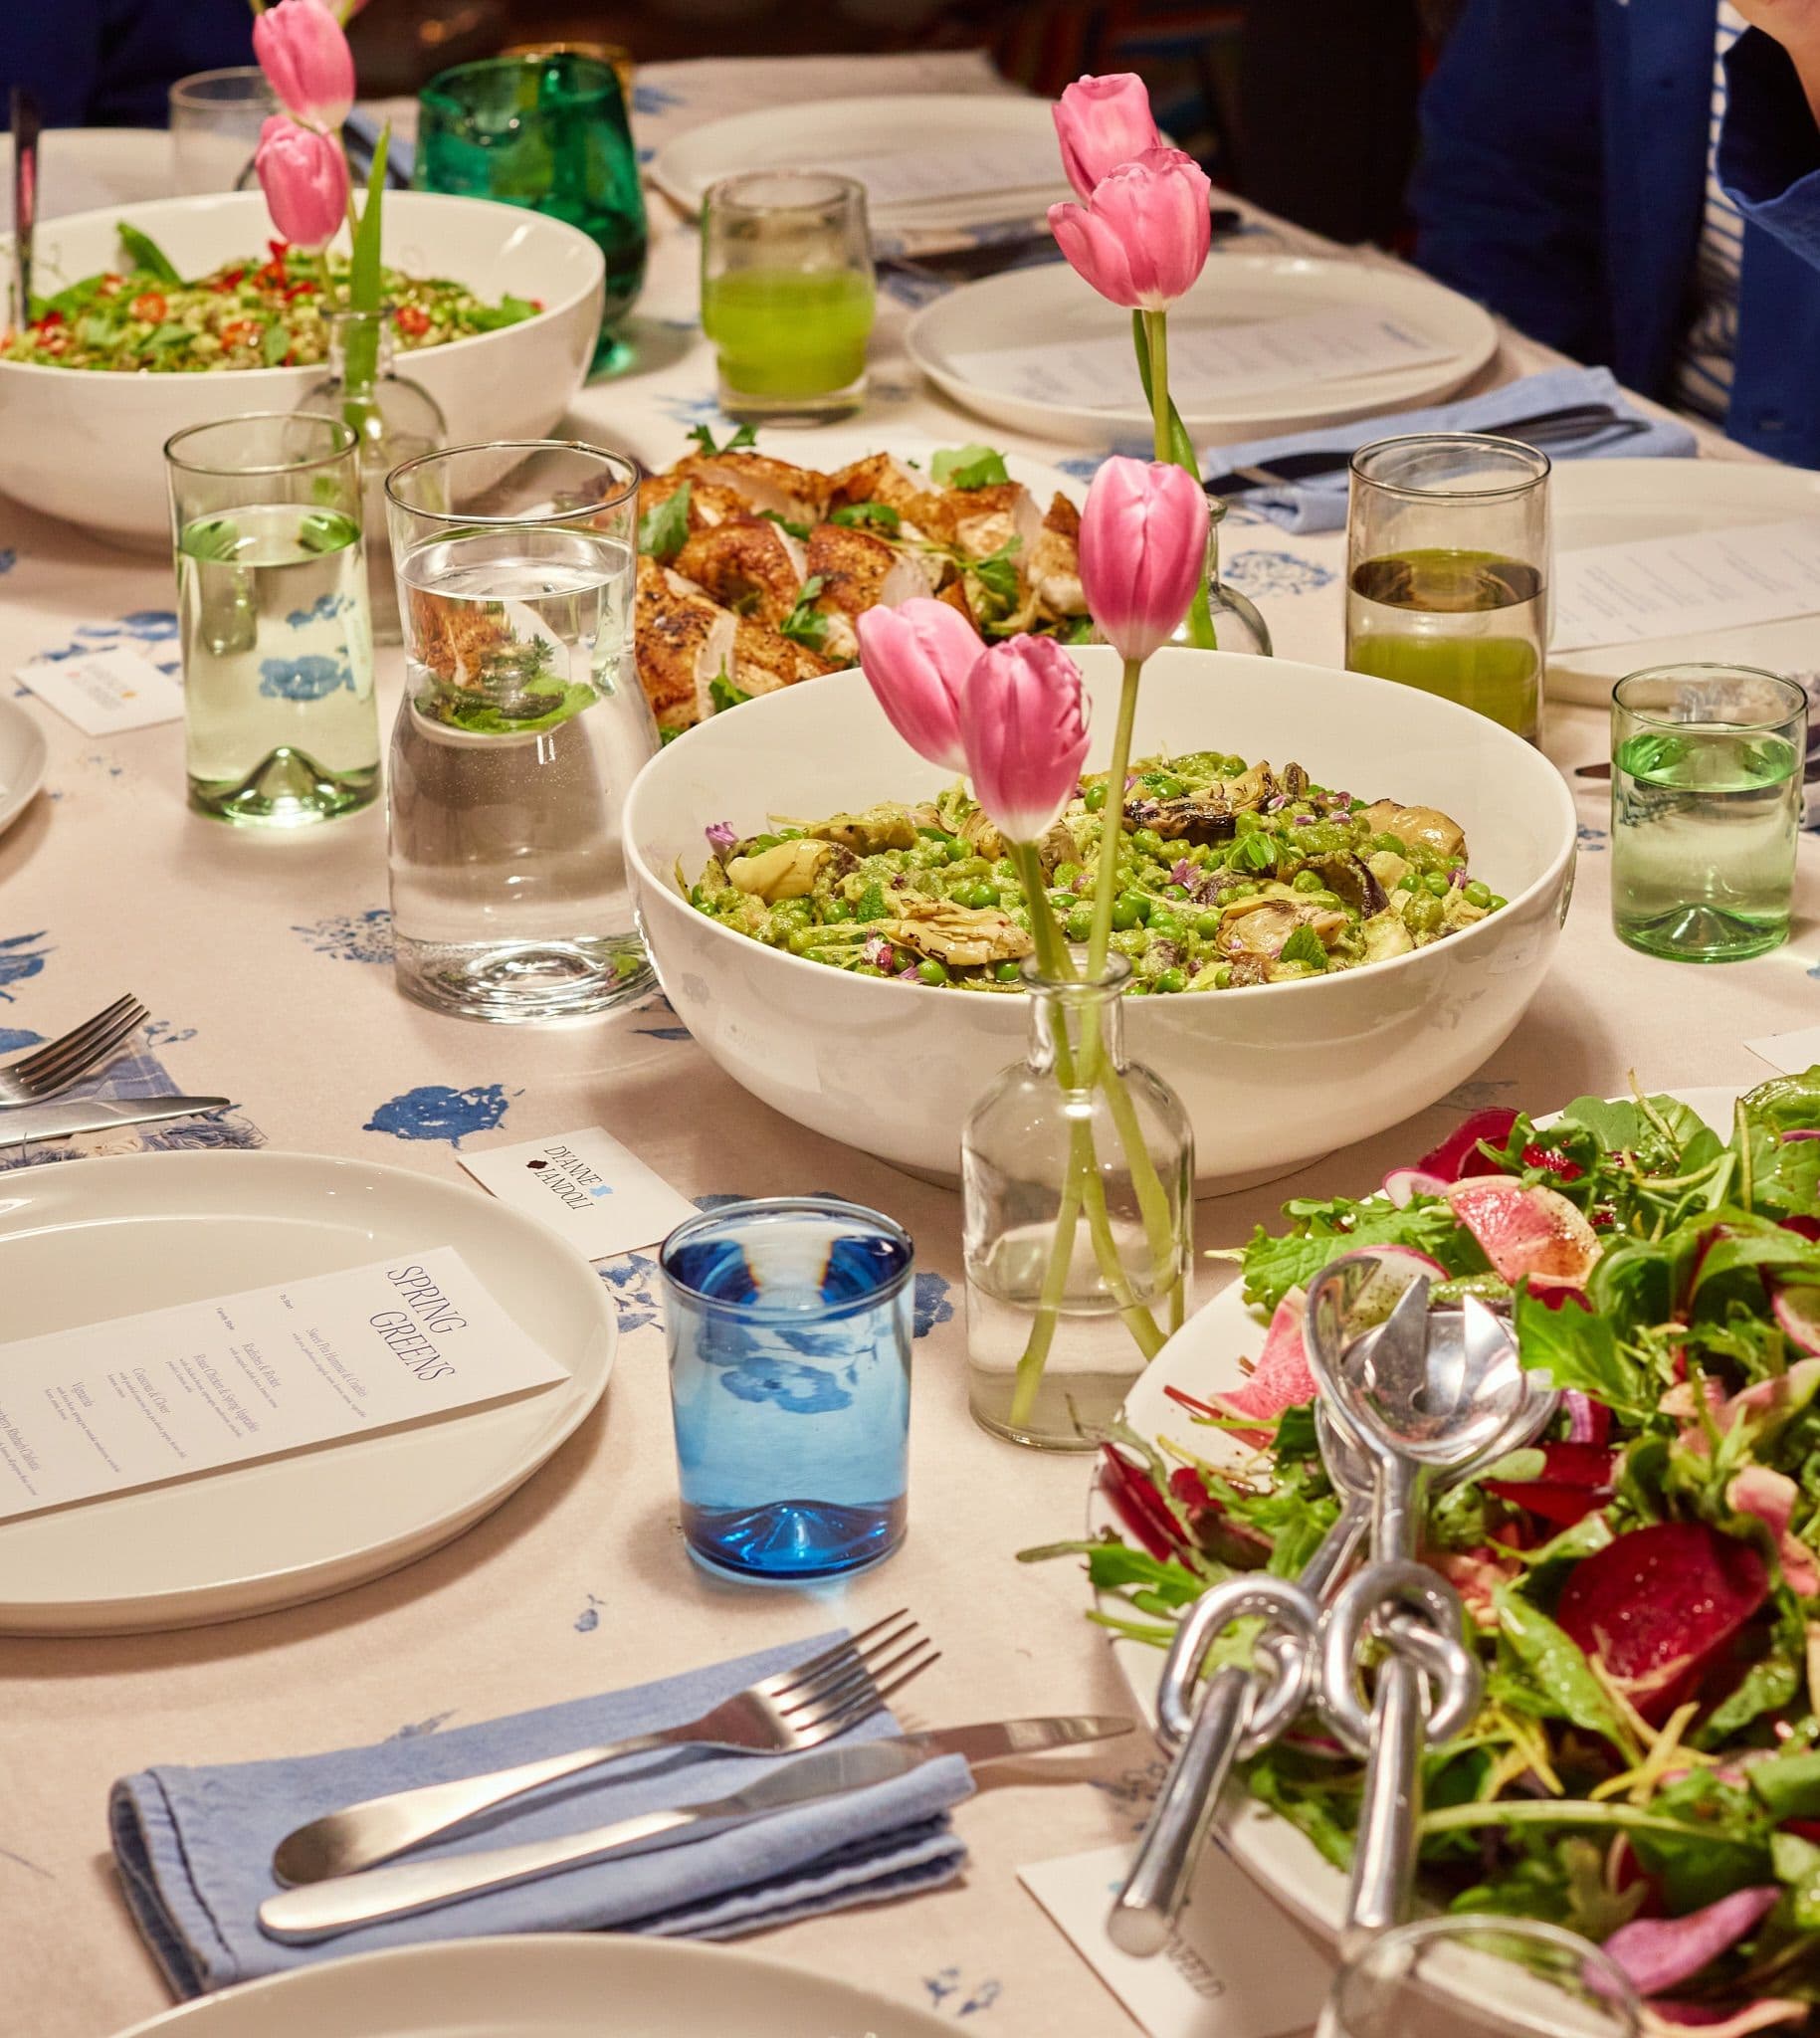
<point x="1792" y="1053"/>
<point x="104" y="692"/>
<point x="138" y="1400"/>
<point x="1019" y="166"/>
<point x="1206" y="362"/>
<point x="1236" y="1966"/>
<point x="585" y="1186"/>
<point x="1676" y="586"/>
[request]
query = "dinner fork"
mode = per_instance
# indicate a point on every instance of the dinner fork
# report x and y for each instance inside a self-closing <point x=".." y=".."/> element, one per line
<point x="53" y="1068"/>
<point x="784" y="1713"/>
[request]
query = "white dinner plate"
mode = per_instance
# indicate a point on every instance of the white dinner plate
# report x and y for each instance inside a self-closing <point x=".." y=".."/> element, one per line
<point x="563" y="1985"/>
<point x="23" y="752"/>
<point x="897" y="133"/>
<point x="80" y="168"/>
<point x="1033" y="307"/>
<point x="1203" y="1358"/>
<point x="84" y="1241"/>
<point x="1617" y="502"/>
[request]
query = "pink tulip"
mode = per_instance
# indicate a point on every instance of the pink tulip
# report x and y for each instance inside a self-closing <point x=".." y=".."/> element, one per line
<point x="1143" y="548"/>
<point x="305" y="57"/>
<point x="304" y="177"/>
<point x="1023" y="721"/>
<point x="1102" y="123"/>
<point x="917" y="658"/>
<point x="1141" y="238"/>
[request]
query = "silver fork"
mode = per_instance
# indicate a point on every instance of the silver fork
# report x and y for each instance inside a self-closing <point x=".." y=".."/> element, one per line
<point x="54" y="1066"/>
<point x="784" y="1713"/>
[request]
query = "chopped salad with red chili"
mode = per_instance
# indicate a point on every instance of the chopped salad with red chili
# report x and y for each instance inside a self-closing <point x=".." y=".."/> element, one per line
<point x="1643" y="1583"/>
<point x="270" y="314"/>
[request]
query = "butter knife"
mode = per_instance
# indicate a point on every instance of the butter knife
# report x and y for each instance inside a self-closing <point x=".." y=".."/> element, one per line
<point x="97" y="1114"/>
<point x="318" y="1911"/>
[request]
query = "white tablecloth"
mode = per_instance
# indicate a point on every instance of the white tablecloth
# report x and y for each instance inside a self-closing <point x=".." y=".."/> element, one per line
<point x="265" y="966"/>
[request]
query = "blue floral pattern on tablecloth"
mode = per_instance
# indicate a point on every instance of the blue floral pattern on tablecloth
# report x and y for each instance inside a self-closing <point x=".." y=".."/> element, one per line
<point x="150" y="631"/>
<point x="435" y="1110"/>
<point x="1262" y="574"/>
<point x="352" y="936"/>
<point x="952" y="1996"/>
<point x="19" y="959"/>
<point x="16" y="1039"/>
<point x="1593" y="840"/>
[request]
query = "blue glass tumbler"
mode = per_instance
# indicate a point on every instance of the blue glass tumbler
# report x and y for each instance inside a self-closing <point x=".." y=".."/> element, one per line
<point x="789" y="1328"/>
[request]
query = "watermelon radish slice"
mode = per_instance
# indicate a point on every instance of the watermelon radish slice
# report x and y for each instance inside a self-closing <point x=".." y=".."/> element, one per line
<point x="1658" y="1605"/>
<point x="1526" y="1233"/>
<point x="1402" y="1185"/>
<point x="1458" y="1153"/>
<point x="1797" y="1310"/>
<point x="1281" y="1379"/>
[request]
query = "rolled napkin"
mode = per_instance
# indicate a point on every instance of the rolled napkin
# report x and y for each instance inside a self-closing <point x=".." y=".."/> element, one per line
<point x="1320" y="504"/>
<point x="194" y="1846"/>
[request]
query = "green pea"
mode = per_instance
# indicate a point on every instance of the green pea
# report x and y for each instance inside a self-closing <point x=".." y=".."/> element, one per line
<point x="1410" y="881"/>
<point x="1147" y="841"/>
<point x="867" y="969"/>
<point x="1171" y="981"/>
<point x="1177" y="848"/>
<point x="759" y="841"/>
<point x="1423" y="912"/>
<point x="1245" y="890"/>
<point x="837" y="909"/>
<point x="1061" y="901"/>
<point x="1176" y="890"/>
<point x="1222" y="977"/>
<point x="1080" y="923"/>
<point x="1067" y="872"/>
<point x="1436" y="884"/>
<point x="1164" y="927"/>
<point x="1005" y="869"/>
<point x="697" y="897"/>
<point x="1207" y="925"/>
<point x="1478" y="893"/>
<point x="1305" y="881"/>
<point x="957" y="852"/>
<point x="1125" y="913"/>
<point x="802" y="940"/>
<point x="1246" y="824"/>
<point x="978" y="895"/>
<point x="789" y="835"/>
<point x="932" y="971"/>
<point x="1139" y="990"/>
<point x="1496" y="900"/>
<point x="1009" y="972"/>
<point x="1392" y="843"/>
<point x="1232" y="766"/>
<point x="1329" y="899"/>
<point x="1093" y="798"/>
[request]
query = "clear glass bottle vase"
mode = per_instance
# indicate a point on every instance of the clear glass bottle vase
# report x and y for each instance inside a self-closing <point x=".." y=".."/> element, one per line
<point x="396" y="420"/>
<point x="1237" y="624"/>
<point x="1078" y="1212"/>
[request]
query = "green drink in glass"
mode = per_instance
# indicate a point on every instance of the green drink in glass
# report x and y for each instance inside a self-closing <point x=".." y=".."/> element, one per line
<point x="551" y="133"/>
<point x="1705" y="810"/>
<point x="787" y="293"/>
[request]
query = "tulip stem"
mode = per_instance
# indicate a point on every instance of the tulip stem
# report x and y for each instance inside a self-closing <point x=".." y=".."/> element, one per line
<point x="1111" y="823"/>
<point x="1156" y="331"/>
<point x="1150" y="338"/>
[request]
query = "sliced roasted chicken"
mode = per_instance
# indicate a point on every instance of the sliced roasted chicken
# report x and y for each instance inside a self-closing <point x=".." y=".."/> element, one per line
<point x="883" y="478"/>
<point x="857" y="572"/>
<point x="684" y="643"/>
<point x="763" y="660"/>
<point x="1054" y="567"/>
<point x="798" y="492"/>
<point x="987" y="519"/>
<point x="752" y="566"/>
<point x="708" y="503"/>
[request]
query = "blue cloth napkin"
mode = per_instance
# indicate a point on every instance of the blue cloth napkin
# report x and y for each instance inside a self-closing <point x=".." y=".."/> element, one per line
<point x="194" y="1846"/>
<point x="1320" y="504"/>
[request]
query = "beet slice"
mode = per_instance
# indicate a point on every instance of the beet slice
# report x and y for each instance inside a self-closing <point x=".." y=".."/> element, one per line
<point x="1576" y="1479"/>
<point x="1658" y="1604"/>
<point x="1458" y="1153"/>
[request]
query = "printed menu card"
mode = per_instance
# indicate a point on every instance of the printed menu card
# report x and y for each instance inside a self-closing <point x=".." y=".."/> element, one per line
<point x="128" y="1403"/>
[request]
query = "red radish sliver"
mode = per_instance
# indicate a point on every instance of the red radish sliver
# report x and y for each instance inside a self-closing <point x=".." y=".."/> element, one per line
<point x="1770" y="1497"/>
<point x="1460" y="1150"/>
<point x="1404" y="1184"/>
<point x="1532" y="1234"/>
<point x="1576" y="1481"/>
<point x="1658" y="1952"/>
<point x="1713" y="2022"/>
<point x="1797" y="1310"/>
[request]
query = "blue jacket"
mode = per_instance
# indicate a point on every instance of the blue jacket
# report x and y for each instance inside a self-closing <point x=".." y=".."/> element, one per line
<point x="1562" y="182"/>
<point x="112" y="63"/>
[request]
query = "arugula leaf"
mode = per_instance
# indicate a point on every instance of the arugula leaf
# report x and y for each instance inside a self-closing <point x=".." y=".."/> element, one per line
<point x="1557" y="1666"/>
<point x="663" y="531"/>
<point x="805" y="624"/>
<point x="724" y="695"/>
<point x="1797" y="1863"/>
<point x="146" y="257"/>
<point x="795" y="530"/>
<point x="1765" y="1687"/>
<point x="1788" y="1784"/>
<point x="1323" y="1231"/>
<point x="1304" y="945"/>
<point x="739" y="441"/>
<point x="863" y="517"/>
<point x="1577" y="1348"/>
<point x="1782" y="1174"/>
<point x="968" y="467"/>
<point x="1725" y="1845"/>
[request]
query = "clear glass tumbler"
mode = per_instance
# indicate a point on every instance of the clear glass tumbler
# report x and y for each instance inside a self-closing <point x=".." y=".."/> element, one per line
<point x="1446" y="570"/>
<point x="787" y="293"/>
<point x="1464" y="1977"/>
<point x="521" y="728"/>
<point x="279" y="722"/>
<point x="1707" y="765"/>
<point x="215" y="121"/>
<point x="789" y="1323"/>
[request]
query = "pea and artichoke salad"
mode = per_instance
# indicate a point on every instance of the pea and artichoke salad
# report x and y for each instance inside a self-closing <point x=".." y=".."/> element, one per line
<point x="1233" y="875"/>
<point x="1643" y="1586"/>
<point x="143" y="317"/>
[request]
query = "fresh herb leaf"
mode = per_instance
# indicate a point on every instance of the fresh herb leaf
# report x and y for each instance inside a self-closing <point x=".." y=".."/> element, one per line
<point x="739" y="441"/>
<point x="665" y="735"/>
<point x="1766" y="1687"/>
<point x="1304" y="945"/>
<point x="1323" y="1231"/>
<point x="1557" y="1664"/>
<point x="723" y="693"/>
<point x="1579" y="1349"/>
<point x="663" y="531"/>
<point x="275" y="343"/>
<point x="510" y="311"/>
<point x="477" y="713"/>
<point x="1782" y="1174"/>
<point x="1252" y="853"/>
<point x="997" y="572"/>
<point x="865" y="516"/>
<point x="805" y="624"/>
<point x="968" y="467"/>
<point x="795" y="530"/>
<point x="146" y="257"/>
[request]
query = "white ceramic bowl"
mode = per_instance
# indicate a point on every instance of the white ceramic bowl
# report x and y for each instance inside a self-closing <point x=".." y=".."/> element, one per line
<point x="89" y="447"/>
<point x="1272" y="1076"/>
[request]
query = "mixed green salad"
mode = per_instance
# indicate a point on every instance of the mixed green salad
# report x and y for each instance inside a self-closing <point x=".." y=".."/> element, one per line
<point x="1643" y="1583"/>
<point x="244" y="315"/>
<point x="1232" y="874"/>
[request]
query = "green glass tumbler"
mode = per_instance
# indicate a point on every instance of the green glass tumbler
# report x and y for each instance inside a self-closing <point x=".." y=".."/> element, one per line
<point x="548" y="133"/>
<point x="1705" y="810"/>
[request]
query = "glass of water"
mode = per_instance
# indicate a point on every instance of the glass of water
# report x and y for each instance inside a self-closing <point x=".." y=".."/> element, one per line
<point x="279" y="722"/>
<point x="1446" y="570"/>
<point x="789" y="1329"/>
<point x="521" y="728"/>
<point x="1707" y="764"/>
<point x="1465" y="1977"/>
<point x="215" y="122"/>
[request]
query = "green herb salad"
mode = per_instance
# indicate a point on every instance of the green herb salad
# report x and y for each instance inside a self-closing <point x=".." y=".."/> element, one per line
<point x="1641" y="1584"/>
<point x="1234" y="874"/>
<point x="244" y="315"/>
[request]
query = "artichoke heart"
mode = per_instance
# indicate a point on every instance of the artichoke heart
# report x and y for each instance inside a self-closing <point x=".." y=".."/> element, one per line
<point x="1425" y="825"/>
<point x="787" y="870"/>
<point x="1253" y="928"/>
<point x="963" y="936"/>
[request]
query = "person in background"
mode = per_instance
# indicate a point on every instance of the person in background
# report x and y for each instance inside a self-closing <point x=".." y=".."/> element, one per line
<point x="1636" y="182"/>
<point x="112" y="63"/>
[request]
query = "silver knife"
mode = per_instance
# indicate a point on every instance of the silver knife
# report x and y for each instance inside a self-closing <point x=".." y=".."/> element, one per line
<point x="97" y="1114"/>
<point x="318" y="1911"/>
